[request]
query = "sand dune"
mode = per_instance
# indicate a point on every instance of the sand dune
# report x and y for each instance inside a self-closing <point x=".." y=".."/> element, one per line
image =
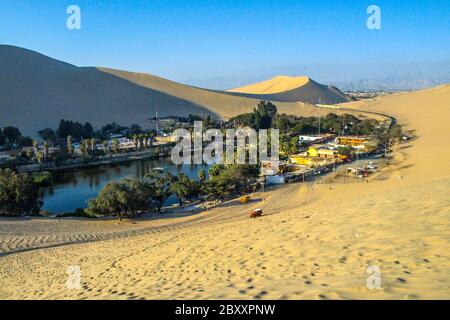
<point x="37" y="91"/>
<point x="277" y="84"/>
<point x="291" y="89"/>
<point x="314" y="241"/>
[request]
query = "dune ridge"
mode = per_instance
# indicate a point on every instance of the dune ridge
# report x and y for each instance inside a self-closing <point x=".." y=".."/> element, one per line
<point x="37" y="91"/>
<point x="275" y="85"/>
<point x="291" y="89"/>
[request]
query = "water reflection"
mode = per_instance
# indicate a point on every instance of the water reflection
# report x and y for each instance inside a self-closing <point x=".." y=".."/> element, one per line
<point x="72" y="190"/>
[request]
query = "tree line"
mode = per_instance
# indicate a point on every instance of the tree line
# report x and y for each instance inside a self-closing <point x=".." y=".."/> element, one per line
<point x="133" y="196"/>
<point x="19" y="193"/>
<point x="11" y="136"/>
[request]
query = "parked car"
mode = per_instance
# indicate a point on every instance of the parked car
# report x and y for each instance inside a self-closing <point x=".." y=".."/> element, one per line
<point x="256" y="213"/>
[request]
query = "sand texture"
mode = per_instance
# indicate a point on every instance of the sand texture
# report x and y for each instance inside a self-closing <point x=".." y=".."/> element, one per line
<point x="314" y="241"/>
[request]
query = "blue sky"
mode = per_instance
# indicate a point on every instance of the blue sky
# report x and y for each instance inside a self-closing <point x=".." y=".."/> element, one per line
<point x="202" y="39"/>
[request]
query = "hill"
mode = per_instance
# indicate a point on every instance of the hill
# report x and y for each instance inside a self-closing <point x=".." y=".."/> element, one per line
<point x="291" y="89"/>
<point x="37" y="91"/>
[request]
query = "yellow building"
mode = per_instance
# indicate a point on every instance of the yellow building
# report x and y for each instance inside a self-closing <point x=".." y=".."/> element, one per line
<point x="307" y="161"/>
<point x="166" y="139"/>
<point x="352" y="140"/>
<point x="313" y="151"/>
<point x="302" y="160"/>
<point x="327" y="153"/>
<point x="322" y="152"/>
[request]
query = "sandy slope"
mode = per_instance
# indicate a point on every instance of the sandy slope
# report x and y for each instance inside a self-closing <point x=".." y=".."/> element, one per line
<point x="315" y="240"/>
<point x="290" y="89"/>
<point x="37" y="91"/>
<point x="275" y="85"/>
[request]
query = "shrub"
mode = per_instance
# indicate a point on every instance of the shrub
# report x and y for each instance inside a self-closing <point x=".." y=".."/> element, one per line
<point x="126" y="198"/>
<point x="19" y="194"/>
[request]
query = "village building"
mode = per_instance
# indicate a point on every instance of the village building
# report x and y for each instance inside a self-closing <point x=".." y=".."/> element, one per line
<point x="351" y="140"/>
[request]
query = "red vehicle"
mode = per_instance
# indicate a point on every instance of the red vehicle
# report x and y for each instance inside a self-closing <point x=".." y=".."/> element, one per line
<point x="256" y="213"/>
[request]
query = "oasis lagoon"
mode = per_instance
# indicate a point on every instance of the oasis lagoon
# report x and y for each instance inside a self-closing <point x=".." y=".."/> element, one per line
<point x="72" y="190"/>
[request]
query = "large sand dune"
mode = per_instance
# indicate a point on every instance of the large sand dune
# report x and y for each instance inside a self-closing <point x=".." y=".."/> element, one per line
<point x="37" y="91"/>
<point x="314" y="240"/>
<point x="290" y="89"/>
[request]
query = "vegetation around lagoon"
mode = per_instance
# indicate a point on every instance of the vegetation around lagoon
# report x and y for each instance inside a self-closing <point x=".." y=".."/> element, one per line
<point x="131" y="197"/>
<point x="19" y="194"/>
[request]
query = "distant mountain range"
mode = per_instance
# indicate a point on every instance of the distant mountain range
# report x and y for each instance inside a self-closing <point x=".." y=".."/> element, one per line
<point x="360" y="77"/>
<point x="37" y="91"/>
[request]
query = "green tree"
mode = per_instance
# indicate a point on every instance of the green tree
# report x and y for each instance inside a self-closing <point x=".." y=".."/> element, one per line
<point x="69" y="144"/>
<point x="105" y="145"/>
<point x="215" y="170"/>
<point x="346" y="151"/>
<point x="202" y="175"/>
<point x="2" y="138"/>
<point x="282" y="123"/>
<point x="126" y="198"/>
<point x="266" y="108"/>
<point x="230" y="179"/>
<point x="12" y="134"/>
<point x="293" y="146"/>
<point x="48" y="135"/>
<point x="395" y="132"/>
<point x="115" y="145"/>
<point x="161" y="182"/>
<point x="135" y="138"/>
<point x="88" y="131"/>
<point x="63" y="129"/>
<point x="93" y="145"/>
<point x="182" y="187"/>
<point x="84" y="149"/>
<point x="46" y="154"/>
<point x="19" y="194"/>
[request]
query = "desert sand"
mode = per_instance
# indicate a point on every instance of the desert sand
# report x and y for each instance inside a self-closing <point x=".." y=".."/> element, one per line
<point x="275" y="85"/>
<point x="38" y="91"/>
<point x="314" y="241"/>
<point x="292" y="89"/>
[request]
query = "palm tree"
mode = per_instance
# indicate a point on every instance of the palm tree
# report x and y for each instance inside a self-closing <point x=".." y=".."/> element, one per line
<point x="215" y="170"/>
<point x="93" y="144"/>
<point x="69" y="144"/>
<point x="84" y="148"/>
<point x="115" y="145"/>
<point x="146" y="140"/>
<point x="151" y="139"/>
<point x="141" y="140"/>
<point x="135" y="138"/>
<point x="39" y="157"/>
<point x="105" y="144"/>
<point x="46" y="150"/>
<point x="35" y="148"/>
<point x="202" y="175"/>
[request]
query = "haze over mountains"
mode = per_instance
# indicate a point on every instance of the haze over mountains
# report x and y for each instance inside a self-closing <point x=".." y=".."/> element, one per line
<point x="37" y="91"/>
<point x="347" y="77"/>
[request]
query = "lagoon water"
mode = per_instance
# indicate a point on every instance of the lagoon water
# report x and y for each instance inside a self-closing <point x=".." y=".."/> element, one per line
<point x="72" y="190"/>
